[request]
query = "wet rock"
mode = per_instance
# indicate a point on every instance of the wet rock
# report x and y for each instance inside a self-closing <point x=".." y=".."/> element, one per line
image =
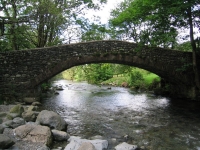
<point x="96" y="137"/>
<point x="75" y="143"/>
<point x="86" y="146"/>
<point x="51" y="119"/>
<point x="59" y="88"/>
<point x="128" y="138"/>
<point x="34" y="133"/>
<point x="3" y="114"/>
<point x="1" y="129"/>
<point x="44" y="148"/>
<point x="5" y="142"/>
<point x="125" y="146"/>
<point x="60" y="135"/>
<point x="30" y="115"/>
<point x="58" y="148"/>
<point x="16" y="122"/>
<point x="32" y="108"/>
<point x="124" y="84"/>
<point x="36" y="104"/>
<point x="11" y="116"/>
<point x="14" y="147"/>
<point x="56" y="93"/>
<point x="30" y="100"/>
<point x="7" y="124"/>
<point x="112" y="141"/>
<point x="17" y="109"/>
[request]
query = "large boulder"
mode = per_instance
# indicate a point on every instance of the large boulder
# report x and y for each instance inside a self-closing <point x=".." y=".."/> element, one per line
<point x="34" y="133"/>
<point x="51" y="119"/>
<point x="60" y="135"/>
<point x="13" y="123"/>
<point x="30" y="115"/>
<point x="5" y="142"/>
<point x="36" y="104"/>
<point x="86" y="146"/>
<point x="76" y="143"/>
<point x="30" y="100"/>
<point x="11" y="116"/>
<point x="7" y="124"/>
<point x="16" y="122"/>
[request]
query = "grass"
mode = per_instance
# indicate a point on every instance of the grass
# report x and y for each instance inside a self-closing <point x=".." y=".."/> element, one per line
<point x="149" y="78"/>
<point x="116" y="80"/>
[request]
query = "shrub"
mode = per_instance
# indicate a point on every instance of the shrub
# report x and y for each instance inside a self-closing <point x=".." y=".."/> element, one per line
<point x="135" y="78"/>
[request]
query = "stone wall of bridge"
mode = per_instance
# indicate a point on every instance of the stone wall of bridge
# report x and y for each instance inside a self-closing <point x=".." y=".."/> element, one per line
<point x="26" y="69"/>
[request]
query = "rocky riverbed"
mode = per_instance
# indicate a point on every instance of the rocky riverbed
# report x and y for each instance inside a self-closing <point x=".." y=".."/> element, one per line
<point x="26" y="127"/>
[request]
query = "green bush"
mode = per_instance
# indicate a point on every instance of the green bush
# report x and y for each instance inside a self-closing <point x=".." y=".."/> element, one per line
<point x="135" y="78"/>
<point x="45" y="86"/>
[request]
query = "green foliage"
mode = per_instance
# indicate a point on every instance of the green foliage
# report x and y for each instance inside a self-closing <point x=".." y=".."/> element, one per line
<point x="45" y="86"/>
<point x="135" y="78"/>
<point x="150" y="78"/>
<point x="154" y="22"/>
<point x="93" y="32"/>
<point x="45" y="24"/>
<point x="116" y="80"/>
<point x="186" y="46"/>
<point x="114" y="74"/>
<point x="184" y="67"/>
<point x="119" y="69"/>
<point x="4" y="45"/>
<point x="96" y="73"/>
<point x="161" y="23"/>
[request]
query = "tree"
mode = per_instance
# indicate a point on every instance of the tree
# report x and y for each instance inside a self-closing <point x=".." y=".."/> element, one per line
<point x="12" y="25"/>
<point x="157" y="22"/>
<point x="185" y="46"/>
<point x="48" y="20"/>
<point x="94" y="32"/>
<point x="96" y="73"/>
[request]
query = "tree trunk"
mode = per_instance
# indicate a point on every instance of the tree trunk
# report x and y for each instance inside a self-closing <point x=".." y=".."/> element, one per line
<point x="194" y="51"/>
<point x="13" y="27"/>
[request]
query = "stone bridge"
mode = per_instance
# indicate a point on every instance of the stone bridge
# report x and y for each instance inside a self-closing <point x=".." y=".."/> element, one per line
<point x="22" y="71"/>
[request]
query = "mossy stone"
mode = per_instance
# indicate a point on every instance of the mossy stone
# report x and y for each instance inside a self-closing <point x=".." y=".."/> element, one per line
<point x="18" y="109"/>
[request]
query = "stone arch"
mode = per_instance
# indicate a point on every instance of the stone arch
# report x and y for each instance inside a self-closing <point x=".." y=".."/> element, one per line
<point x="135" y="61"/>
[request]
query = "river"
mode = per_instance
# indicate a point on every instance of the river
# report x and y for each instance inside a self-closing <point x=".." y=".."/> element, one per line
<point x="122" y="115"/>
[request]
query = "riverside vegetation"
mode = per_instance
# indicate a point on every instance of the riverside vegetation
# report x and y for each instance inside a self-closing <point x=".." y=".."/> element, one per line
<point x="114" y="75"/>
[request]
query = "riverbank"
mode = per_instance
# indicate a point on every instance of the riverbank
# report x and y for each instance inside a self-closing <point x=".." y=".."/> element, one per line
<point x="122" y="115"/>
<point x="147" y="82"/>
<point x="23" y="127"/>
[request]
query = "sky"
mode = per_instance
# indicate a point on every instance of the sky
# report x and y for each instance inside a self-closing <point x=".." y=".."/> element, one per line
<point x="104" y="13"/>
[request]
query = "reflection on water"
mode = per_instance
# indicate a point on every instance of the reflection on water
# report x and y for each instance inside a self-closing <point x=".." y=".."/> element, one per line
<point x="150" y="122"/>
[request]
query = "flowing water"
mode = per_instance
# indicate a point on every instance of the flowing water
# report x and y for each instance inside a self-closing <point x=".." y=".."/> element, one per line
<point x="122" y="115"/>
